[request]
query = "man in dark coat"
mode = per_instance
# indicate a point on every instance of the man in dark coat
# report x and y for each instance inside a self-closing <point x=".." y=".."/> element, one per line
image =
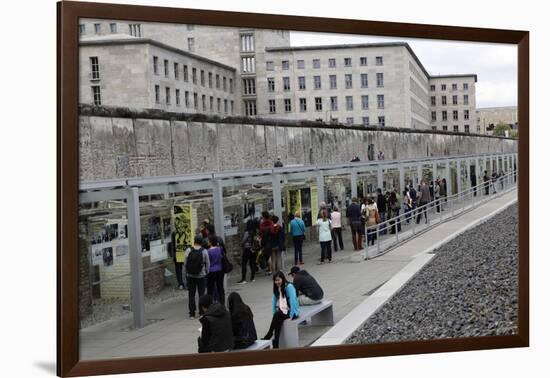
<point x="217" y="332"/>
<point x="353" y="213"/>
<point x="308" y="290"/>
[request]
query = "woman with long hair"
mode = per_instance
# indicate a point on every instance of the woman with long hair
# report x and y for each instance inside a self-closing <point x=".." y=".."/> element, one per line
<point x="325" y="236"/>
<point x="284" y="305"/>
<point x="244" y="330"/>
<point x="214" y="278"/>
<point x="370" y="212"/>
<point x="249" y="253"/>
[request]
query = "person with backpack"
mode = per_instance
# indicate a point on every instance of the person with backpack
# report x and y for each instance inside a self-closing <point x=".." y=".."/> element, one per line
<point x="214" y="278"/>
<point x="325" y="237"/>
<point x="197" y="266"/>
<point x="242" y="322"/>
<point x="372" y="220"/>
<point x="249" y="255"/>
<point x="298" y="232"/>
<point x="216" y="328"/>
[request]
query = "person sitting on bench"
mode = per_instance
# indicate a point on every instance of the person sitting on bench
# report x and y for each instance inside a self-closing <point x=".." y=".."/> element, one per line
<point x="308" y="290"/>
<point x="244" y="330"/>
<point x="216" y="334"/>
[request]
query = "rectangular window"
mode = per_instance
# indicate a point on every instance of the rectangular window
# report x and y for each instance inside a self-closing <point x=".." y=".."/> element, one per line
<point x="286" y="83"/>
<point x="455" y="115"/>
<point x="210" y="80"/>
<point x="135" y="30"/>
<point x="224" y="84"/>
<point x="191" y="44"/>
<point x="363" y="61"/>
<point x="455" y="128"/>
<point x="300" y="64"/>
<point x="167" y="95"/>
<point x="364" y="102"/>
<point x="82" y="29"/>
<point x="318" y="104"/>
<point x="247" y="42"/>
<point x="332" y="63"/>
<point x="249" y="107"/>
<point x="364" y="81"/>
<point x="157" y="94"/>
<point x="97" y="28"/>
<point x="334" y="103"/>
<point x="272" y="108"/>
<point x="269" y="66"/>
<point x="444" y="115"/>
<point x="225" y="106"/>
<point x="349" y="82"/>
<point x="347" y="62"/>
<point x="433" y="100"/>
<point x="156" y="65"/>
<point x="432" y="87"/>
<point x="203" y="101"/>
<point x="96" y="94"/>
<point x="381" y="121"/>
<point x="166" y="68"/>
<point x="94" y="66"/>
<point x="203" y="78"/>
<point x="194" y="75"/>
<point x="301" y="82"/>
<point x="303" y="105"/>
<point x="249" y="86"/>
<point x="379" y="80"/>
<point x="465" y="86"/>
<point x="219" y="104"/>
<point x="288" y="105"/>
<point x="467" y="129"/>
<point x="443" y="100"/>
<point x="455" y="100"/>
<point x="434" y="116"/>
<point x="444" y="128"/>
<point x="466" y="99"/>
<point x="211" y="100"/>
<point x="285" y="64"/>
<point x="248" y="64"/>
<point x="454" y="87"/>
<point x="185" y="73"/>
<point x="443" y="87"/>
<point x="349" y="103"/>
<point x="316" y="63"/>
<point x="195" y="100"/>
<point x="176" y="71"/>
<point x="186" y="99"/>
<point x="317" y="82"/>
<point x="466" y="114"/>
<point x="271" y="84"/>
<point x="332" y="79"/>
<point x="178" y="99"/>
<point x="232" y="106"/>
<point x="366" y="121"/>
<point x="230" y="85"/>
<point x="217" y="81"/>
<point x="379" y="61"/>
<point x="380" y="100"/>
<point x="113" y="27"/>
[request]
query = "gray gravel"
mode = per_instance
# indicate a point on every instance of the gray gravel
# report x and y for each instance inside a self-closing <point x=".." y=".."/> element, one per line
<point x="468" y="289"/>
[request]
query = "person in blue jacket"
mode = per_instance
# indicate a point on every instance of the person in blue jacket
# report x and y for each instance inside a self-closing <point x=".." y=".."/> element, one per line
<point x="284" y="305"/>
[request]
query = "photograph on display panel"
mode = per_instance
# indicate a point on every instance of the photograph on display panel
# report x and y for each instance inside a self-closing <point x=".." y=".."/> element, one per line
<point x="248" y="189"/>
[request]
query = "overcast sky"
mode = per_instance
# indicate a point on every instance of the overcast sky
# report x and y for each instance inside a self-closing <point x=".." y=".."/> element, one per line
<point x="494" y="64"/>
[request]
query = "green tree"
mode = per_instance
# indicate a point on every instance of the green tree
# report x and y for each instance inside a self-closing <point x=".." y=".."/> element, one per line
<point x="501" y="128"/>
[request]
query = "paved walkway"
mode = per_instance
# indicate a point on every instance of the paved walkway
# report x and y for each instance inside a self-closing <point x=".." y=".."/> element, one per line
<point x="348" y="281"/>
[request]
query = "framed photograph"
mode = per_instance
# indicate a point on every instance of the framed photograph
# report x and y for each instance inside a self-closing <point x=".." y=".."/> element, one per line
<point x="238" y="188"/>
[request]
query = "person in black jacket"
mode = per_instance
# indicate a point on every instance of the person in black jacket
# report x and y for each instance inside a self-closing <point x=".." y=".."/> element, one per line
<point x="242" y="322"/>
<point x="308" y="290"/>
<point x="217" y="333"/>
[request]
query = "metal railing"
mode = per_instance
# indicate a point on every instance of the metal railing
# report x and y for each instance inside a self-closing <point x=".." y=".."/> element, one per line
<point x="408" y="225"/>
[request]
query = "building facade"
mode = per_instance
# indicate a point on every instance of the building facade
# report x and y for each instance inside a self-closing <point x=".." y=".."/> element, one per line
<point x="256" y="73"/>
<point x="488" y="118"/>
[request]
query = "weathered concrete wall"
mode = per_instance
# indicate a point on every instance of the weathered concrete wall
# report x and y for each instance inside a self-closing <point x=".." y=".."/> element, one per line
<point x="117" y="147"/>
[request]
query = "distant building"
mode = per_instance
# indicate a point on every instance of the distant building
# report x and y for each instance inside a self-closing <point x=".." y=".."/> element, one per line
<point x="256" y="73"/>
<point x="489" y="118"/>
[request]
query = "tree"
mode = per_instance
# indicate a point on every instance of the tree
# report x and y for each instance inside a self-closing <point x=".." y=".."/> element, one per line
<point x="501" y="129"/>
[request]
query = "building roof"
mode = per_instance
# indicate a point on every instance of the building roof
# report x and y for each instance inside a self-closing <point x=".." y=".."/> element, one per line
<point x="454" y="75"/>
<point x="137" y="41"/>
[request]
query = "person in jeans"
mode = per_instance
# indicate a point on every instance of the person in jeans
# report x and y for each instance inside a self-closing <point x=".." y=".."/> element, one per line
<point x="308" y="290"/>
<point x="266" y="227"/>
<point x="249" y="254"/>
<point x="278" y="244"/>
<point x="370" y="214"/>
<point x="423" y="199"/>
<point x="297" y="230"/>
<point x="197" y="266"/>
<point x="382" y="206"/>
<point x="353" y="213"/>
<point x="214" y="278"/>
<point x="325" y="237"/>
<point x="216" y="333"/>
<point x="337" y="229"/>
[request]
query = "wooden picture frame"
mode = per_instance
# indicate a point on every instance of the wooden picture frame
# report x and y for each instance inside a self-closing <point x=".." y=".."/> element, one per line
<point x="68" y="363"/>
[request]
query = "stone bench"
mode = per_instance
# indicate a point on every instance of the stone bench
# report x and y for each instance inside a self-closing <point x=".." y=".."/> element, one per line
<point x="258" y="345"/>
<point x="319" y="314"/>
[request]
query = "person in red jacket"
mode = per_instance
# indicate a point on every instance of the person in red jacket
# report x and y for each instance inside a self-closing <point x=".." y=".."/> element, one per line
<point x="266" y="227"/>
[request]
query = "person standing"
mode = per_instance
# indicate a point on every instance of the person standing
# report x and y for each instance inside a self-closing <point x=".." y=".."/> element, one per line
<point x="216" y="332"/>
<point x="443" y="190"/>
<point x="382" y="205"/>
<point x="266" y="227"/>
<point x="407" y="204"/>
<point x="336" y="220"/>
<point x="437" y="195"/>
<point x="214" y="278"/>
<point x="249" y="255"/>
<point x="394" y="206"/>
<point x="325" y="237"/>
<point x="486" y="180"/>
<point x="284" y="305"/>
<point x="178" y="262"/>
<point x="298" y="230"/>
<point x="278" y="163"/>
<point x="371" y="211"/>
<point x="353" y="213"/>
<point x="413" y="194"/>
<point x="423" y="199"/>
<point x="197" y="266"/>
<point x="278" y="244"/>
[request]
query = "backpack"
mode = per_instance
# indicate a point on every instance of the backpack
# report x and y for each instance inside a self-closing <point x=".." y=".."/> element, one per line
<point x="194" y="261"/>
<point x="256" y="243"/>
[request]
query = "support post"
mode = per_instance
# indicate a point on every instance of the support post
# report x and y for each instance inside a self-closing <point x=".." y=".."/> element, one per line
<point x="401" y="178"/>
<point x="380" y="177"/>
<point x="217" y="194"/>
<point x="458" y="177"/>
<point x="136" y="260"/>
<point x="320" y="188"/>
<point x="448" y="176"/>
<point x="353" y="181"/>
<point x="276" y="187"/>
<point x="434" y="171"/>
<point x="419" y="173"/>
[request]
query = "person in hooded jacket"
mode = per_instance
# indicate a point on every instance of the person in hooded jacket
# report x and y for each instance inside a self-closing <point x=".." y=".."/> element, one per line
<point x="242" y="322"/>
<point x="217" y="332"/>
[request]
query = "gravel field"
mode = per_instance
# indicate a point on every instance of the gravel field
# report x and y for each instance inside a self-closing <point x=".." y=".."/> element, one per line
<point x="468" y="289"/>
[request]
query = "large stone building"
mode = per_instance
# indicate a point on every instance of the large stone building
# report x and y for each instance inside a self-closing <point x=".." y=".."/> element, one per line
<point x="256" y="73"/>
<point x="488" y="118"/>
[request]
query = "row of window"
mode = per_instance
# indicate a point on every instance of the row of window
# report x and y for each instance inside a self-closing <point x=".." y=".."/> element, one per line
<point x="465" y="100"/>
<point x="318" y="103"/>
<point x="317" y="82"/>
<point x="228" y="106"/>
<point x="220" y="82"/>
<point x="454" y="87"/>
<point x="455" y="115"/>
<point x="316" y="63"/>
<point x="455" y="128"/>
<point x="134" y="29"/>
